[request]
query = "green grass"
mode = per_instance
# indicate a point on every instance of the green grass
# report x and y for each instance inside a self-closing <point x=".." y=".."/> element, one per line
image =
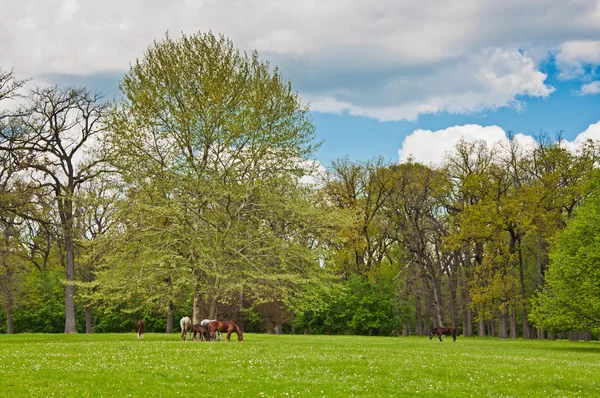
<point x="118" y="365"/>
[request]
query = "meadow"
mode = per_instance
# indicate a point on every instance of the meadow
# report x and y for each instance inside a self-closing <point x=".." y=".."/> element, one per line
<point x="118" y="365"/>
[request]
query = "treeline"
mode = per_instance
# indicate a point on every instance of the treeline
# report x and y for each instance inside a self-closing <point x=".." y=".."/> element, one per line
<point x="193" y="193"/>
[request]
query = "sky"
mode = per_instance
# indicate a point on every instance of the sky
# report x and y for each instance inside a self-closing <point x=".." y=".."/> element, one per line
<point x="394" y="78"/>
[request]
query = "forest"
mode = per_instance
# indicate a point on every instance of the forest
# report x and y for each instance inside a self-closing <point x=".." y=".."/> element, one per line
<point x="195" y="193"/>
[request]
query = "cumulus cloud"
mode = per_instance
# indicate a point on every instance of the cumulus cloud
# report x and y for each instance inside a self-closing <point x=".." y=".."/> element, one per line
<point x="431" y="147"/>
<point x="575" y="56"/>
<point x="487" y="80"/>
<point x="592" y="88"/>
<point x="386" y="59"/>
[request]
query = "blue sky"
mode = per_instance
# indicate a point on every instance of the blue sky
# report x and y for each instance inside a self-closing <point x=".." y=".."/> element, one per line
<point x="387" y="78"/>
<point x="363" y="138"/>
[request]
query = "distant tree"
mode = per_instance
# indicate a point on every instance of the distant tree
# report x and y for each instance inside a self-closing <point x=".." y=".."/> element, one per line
<point x="50" y="139"/>
<point x="360" y="190"/>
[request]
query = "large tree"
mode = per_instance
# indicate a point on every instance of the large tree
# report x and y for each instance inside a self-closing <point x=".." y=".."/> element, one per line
<point x="211" y="144"/>
<point x="571" y="297"/>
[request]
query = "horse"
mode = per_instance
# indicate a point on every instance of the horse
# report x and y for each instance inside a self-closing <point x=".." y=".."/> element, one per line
<point x="141" y="325"/>
<point x="200" y="332"/>
<point x="225" y="327"/>
<point x="205" y="323"/>
<point x="186" y="326"/>
<point x="441" y="331"/>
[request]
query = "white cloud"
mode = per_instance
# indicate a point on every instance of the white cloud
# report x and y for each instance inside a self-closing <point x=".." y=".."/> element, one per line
<point x="592" y="88"/>
<point x="488" y="80"/>
<point x="387" y="59"/>
<point x="574" y="56"/>
<point x="591" y="133"/>
<point x="431" y="147"/>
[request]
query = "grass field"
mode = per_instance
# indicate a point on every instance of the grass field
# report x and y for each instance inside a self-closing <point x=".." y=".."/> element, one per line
<point x="118" y="365"/>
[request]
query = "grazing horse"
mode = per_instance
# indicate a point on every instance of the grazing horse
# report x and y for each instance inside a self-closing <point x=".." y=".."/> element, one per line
<point x="200" y="332"/>
<point x="225" y="327"/>
<point x="448" y="331"/>
<point x="186" y="327"/>
<point x="141" y="325"/>
<point x="205" y="323"/>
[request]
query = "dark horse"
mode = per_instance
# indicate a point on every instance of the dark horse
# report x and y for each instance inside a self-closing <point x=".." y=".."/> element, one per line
<point x="448" y="331"/>
<point x="200" y="332"/>
<point x="225" y="327"/>
<point x="141" y="325"/>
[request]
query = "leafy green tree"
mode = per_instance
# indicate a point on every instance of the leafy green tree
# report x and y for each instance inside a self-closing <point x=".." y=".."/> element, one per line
<point x="360" y="191"/>
<point x="570" y="300"/>
<point x="211" y="145"/>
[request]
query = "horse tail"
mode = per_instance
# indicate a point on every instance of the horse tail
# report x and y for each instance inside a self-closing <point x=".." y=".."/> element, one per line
<point x="182" y="324"/>
<point x="239" y="332"/>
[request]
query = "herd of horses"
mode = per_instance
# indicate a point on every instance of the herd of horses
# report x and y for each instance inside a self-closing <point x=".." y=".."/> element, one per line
<point x="208" y="330"/>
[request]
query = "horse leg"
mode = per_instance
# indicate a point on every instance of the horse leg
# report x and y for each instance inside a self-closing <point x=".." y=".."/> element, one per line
<point x="440" y="336"/>
<point x="228" y="335"/>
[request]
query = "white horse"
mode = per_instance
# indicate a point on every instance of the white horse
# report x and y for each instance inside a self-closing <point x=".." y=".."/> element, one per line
<point x="186" y="326"/>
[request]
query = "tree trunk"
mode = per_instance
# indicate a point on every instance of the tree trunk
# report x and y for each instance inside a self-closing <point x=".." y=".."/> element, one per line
<point x="503" y="325"/>
<point x="418" y="316"/>
<point x="169" y="328"/>
<point x="522" y="283"/>
<point x="66" y="216"/>
<point x="278" y="329"/>
<point x="213" y="307"/>
<point x="293" y="323"/>
<point x="467" y="313"/>
<point x="426" y="326"/>
<point x="437" y="302"/>
<point x="196" y="314"/>
<point x="89" y="326"/>
<point x="453" y="289"/>
<point x="196" y="310"/>
<point x="468" y="322"/>
<point x="9" y="319"/>
<point x="491" y="328"/>
<point x="481" y="328"/>
<point x="514" y="332"/>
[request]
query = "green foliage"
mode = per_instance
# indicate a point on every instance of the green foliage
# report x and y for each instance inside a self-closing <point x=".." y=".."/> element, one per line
<point x="571" y="298"/>
<point x="41" y="304"/>
<point x="357" y="306"/>
<point x="211" y="145"/>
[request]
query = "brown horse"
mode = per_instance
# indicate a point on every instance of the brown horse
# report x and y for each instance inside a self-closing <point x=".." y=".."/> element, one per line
<point x="225" y="327"/>
<point x="448" y="331"/>
<point x="200" y="332"/>
<point x="141" y="325"/>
